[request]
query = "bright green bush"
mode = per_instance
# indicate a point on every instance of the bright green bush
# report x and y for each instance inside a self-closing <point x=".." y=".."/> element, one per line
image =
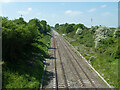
<point x="100" y="34"/>
<point x="79" y="31"/>
<point x="117" y="33"/>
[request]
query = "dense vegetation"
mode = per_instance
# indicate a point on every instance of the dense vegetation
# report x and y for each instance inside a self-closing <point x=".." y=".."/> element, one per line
<point x="25" y="46"/>
<point x="99" y="45"/>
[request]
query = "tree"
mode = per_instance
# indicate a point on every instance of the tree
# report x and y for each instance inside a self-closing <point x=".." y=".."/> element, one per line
<point x="79" y="26"/>
<point x="44" y="24"/>
<point x="17" y="38"/>
<point x="94" y="28"/>
<point x="48" y="28"/>
<point x="37" y="23"/>
<point x="19" y="21"/>
<point x="66" y="24"/>
<point x="69" y="28"/>
<point x="56" y="26"/>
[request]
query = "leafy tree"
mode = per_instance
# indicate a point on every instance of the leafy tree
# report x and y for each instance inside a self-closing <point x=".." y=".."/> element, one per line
<point x="37" y="23"/>
<point x="44" y="24"/>
<point x="48" y="28"/>
<point x="66" y="24"/>
<point x="57" y="26"/>
<point x="17" y="38"/>
<point x="69" y="28"/>
<point x="20" y="21"/>
<point x="79" y="26"/>
<point x="94" y="28"/>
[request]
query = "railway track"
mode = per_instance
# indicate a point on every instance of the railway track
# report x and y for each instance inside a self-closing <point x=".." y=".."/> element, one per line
<point x="63" y="70"/>
<point x="68" y="71"/>
<point x="78" y="65"/>
<point x="56" y="79"/>
<point x="56" y="49"/>
<point x="74" y="70"/>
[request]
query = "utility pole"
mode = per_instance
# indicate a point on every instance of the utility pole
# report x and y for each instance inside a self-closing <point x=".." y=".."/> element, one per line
<point x="91" y="21"/>
<point x="21" y="15"/>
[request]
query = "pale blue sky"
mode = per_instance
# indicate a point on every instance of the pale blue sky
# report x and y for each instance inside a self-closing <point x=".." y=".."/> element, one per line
<point x="102" y="13"/>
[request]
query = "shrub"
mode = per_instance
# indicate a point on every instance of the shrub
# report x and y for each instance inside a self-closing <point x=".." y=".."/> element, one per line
<point x="100" y="34"/>
<point x="117" y="33"/>
<point x="94" y="28"/>
<point x="69" y="28"/>
<point x="79" y="31"/>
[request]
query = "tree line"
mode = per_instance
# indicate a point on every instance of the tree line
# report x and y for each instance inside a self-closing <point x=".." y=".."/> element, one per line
<point x="18" y="36"/>
<point x="97" y="37"/>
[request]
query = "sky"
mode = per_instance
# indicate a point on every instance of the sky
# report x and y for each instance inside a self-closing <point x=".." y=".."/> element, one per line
<point x="87" y="13"/>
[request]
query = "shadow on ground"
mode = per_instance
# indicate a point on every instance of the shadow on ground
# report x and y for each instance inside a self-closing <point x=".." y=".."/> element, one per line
<point x="48" y="78"/>
<point x="48" y="74"/>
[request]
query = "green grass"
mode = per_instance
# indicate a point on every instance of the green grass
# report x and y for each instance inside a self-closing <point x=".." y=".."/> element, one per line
<point x="103" y="61"/>
<point x="107" y="68"/>
<point x="27" y="72"/>
<point x="24" y="77"/>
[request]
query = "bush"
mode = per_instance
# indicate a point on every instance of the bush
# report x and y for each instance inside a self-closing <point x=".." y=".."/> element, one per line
<point x="117" y="33"/>
<point x="100" y="34"/>
<point x="69" y="28"/>
<point x="93" y="29"/>
<point x="79" y="31"/>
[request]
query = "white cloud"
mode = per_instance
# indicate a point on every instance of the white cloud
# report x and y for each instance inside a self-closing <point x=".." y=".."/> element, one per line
<point x="92" y="10"/>
<point x="23" y="12"/>
<point x="70" y="12"/>
<point x="29" y="9"/>
<point x="106" y="14"/>
<point x="103" y="6"/>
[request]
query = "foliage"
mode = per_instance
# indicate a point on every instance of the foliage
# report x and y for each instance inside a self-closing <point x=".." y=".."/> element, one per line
<point x="56" y="26"/>
<point x="94" y="28"/>
<point x="69" y="28"/>
<point x="46" y="28"/>
<point x="19" y="21"/>
<point x="16" y="38"/>
<point x="117" y="33"/>
<point x="79" y="31"/>
<point x="37" y="23"/>
<point x="100" y="34"/>
<point x="79" y="26"/>
<point x="25" y="46"/>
